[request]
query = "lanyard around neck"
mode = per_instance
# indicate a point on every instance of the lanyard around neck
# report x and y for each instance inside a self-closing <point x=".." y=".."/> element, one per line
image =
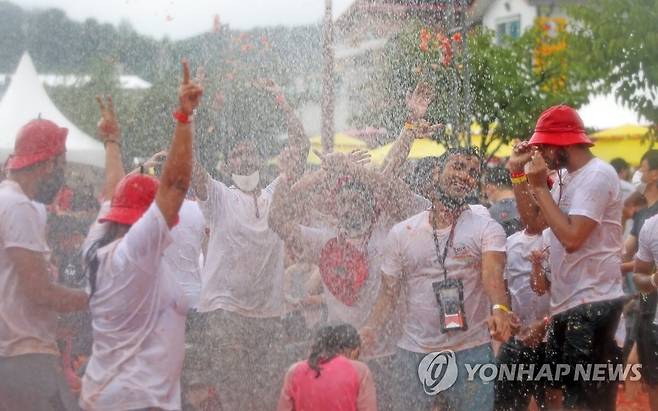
<point x="448" y="245"/>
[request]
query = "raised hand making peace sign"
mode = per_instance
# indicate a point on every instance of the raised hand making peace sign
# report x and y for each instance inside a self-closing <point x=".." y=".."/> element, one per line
<point x="108" y="125"/>
<point x="189" y="93"/>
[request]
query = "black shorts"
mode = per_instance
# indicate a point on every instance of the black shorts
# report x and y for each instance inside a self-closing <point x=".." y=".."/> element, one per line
<point x="647" y="347"/>
<point x="516" y="395"/>
<point x="585" y="335"/>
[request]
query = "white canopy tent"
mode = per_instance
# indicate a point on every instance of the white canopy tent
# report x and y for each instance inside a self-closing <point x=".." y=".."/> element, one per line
<point x="25" y="100"/>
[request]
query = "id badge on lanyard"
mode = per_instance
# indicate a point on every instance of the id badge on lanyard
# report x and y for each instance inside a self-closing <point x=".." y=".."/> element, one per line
<point x="449" y="293"/>
<point x="450" y="297"/>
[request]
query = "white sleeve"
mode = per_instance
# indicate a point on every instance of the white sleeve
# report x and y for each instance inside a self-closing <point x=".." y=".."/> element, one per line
<point x="493" y="237"/>
<point x="213" y="207"/>
<point x="144" y="244"/>
<point x="97" y="229"/>
<point x="591" y="199"/>
<point x="23" y="228"/>
<point x="393" y="263"/>
<point x="272" y="186"/>
<point x="647" y="242"/>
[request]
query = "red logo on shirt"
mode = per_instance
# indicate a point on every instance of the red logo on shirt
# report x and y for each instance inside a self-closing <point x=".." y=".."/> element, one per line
<point x="344" y="270"/>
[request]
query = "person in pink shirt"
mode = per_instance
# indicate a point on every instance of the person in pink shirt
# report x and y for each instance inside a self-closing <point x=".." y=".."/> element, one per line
<point x="331" y="379"/>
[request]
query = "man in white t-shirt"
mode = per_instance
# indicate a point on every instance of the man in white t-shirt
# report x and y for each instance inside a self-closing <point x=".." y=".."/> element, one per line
<point x="30" y="299"/>
<point x="584" y="214"/>
<point x="646" y="261"/>
<point x="242" y="296"/>
<point x="450" y="261"/>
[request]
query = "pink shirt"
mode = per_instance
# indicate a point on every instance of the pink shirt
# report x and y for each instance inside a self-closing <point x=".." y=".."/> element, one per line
<point x="343" y="385"/>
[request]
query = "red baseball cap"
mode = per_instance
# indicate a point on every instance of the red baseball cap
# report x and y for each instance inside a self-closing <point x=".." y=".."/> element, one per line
<point x="560" y="126"/>
<point x="38" y="140"/>
<point x="132" y="197"/>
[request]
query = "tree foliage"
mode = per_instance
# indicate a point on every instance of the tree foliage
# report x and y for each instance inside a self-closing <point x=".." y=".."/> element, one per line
<point x="618" y="41"/>
<point x="505" y="87"/>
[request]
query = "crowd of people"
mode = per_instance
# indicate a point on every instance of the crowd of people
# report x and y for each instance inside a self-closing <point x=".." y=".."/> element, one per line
<point x="326" y="289"/>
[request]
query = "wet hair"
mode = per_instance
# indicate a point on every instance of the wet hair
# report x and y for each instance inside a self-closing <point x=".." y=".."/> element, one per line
<point x="330" y="341"/>
<point x="619" y="164"/>
<point x="443" y="159"/>
<point x="364" y="191"/>
<point x="420" y="180"/>
<point x="498" y="176"/>
<point x="91" y="256"/>
<point x="652" y="158"/>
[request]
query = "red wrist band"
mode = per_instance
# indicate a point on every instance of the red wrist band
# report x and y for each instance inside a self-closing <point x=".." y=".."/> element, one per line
<point x="517" y="174"/>
<point x="181" y="117"/>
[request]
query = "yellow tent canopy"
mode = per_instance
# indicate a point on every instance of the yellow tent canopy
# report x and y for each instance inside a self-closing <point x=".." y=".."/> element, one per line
<point x="341" y="140"/>
<point x="625" y="131"/>
<point x="422" y="147"/>
<point x="630" y="149"/>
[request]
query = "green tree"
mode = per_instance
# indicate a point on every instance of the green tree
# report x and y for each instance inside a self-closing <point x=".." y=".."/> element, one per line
<point x="506" y="87"/>
<point x="618" y="41"/>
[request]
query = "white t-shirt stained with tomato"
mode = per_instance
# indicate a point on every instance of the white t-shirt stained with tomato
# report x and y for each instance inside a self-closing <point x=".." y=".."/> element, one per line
<point x="25" y="327"/>
<point x="411" y="256"/>
<point x="243" y="271"/>
<point x="138" y="319"/>
<point x="591" y="273"/>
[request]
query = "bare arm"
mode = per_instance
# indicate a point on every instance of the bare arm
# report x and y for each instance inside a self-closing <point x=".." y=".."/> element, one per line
<point x="200" y="181"/>
<point x="285" y="214"/>
<point x="525" y="202"/>
<point x="34" y="281"/>
<point x="298" y="141"/>
<point x="571" y="230"/>
<point x="642" y="276"/>
<point x="493" y="266"/>
<point x="388" y="295"/>
<point x="417" y="103"/>
<point x="108" y="129"/>
<point x="538" y="281"/>
<point x="177" y="171"/>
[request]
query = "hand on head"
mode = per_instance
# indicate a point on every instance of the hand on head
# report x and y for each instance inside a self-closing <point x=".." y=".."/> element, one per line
<point x="521" y="154"/>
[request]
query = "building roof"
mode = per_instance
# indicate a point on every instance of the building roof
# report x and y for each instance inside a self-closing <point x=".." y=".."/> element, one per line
<point x="26" y="99"/>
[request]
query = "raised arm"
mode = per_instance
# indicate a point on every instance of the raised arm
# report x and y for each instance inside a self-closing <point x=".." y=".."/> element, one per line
<point x="298" y="141"/>
<point x="109" y="131"/>
<point x="389" y="191"/>
<point x="285" y="215"/>
<point x="525" y="202"/>
<point x="177" y="170"/>
<point x="571" y="230"/>
<point x="417" y="103"/>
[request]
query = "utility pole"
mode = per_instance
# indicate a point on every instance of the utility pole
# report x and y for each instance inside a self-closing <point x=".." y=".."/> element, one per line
<point x="327" y="131"/>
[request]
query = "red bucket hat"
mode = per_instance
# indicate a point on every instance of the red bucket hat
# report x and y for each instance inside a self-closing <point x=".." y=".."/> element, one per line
<point x="132" y="197"/>
<point x="560" y="126"/>
<point x="37" y="141"/>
